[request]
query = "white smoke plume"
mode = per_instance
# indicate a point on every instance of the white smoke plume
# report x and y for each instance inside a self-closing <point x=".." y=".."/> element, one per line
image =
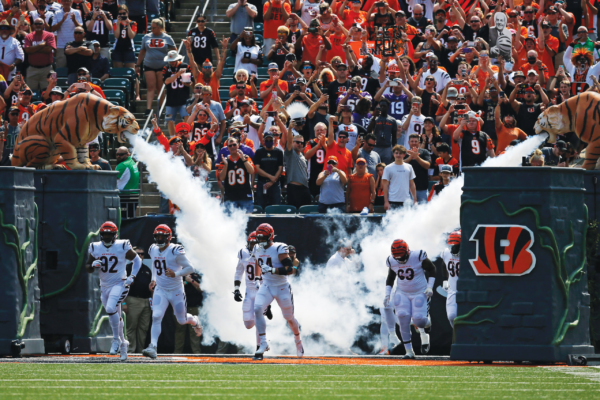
<point x="330" y="304"/>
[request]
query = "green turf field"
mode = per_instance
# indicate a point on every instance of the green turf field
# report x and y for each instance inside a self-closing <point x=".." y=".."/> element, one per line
<point x="301" y="381"/>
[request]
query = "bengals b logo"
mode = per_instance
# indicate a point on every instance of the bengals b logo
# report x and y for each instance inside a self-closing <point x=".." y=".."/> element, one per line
<point x="157" y="43"/>
<point x="503" y="250"/>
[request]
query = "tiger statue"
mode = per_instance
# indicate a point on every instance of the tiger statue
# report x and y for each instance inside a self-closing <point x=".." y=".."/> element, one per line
<point x="579" y="114"/>
<point x="66" y="127"/>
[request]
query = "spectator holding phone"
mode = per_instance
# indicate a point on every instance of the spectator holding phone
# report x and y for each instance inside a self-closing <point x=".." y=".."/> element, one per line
<point x="275" y="12"/>
<point x="338" y="148"/>
<point x="99" y="26"/>
<point x="332" y="181"/>
<point x="312" y="42"/>
<point x="39" y="47"/>
<point x="124" y="30"/>
<point x="506" y="128"/>
<point x="273" y="87"/>
<point x="248" y="55"/>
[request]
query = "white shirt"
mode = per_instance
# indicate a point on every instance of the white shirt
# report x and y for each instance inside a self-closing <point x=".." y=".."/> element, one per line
<point x="452" y="267"/>
<point x="11" y="51"/>
<point x="427" y="7"/>
<point x="254" y="52"/>
<point x="399" y="177"/>
<point x="337" y="260"/>
<point x="65" y="33"/>
<point x="352" y="132"/>
<point x="114" y="262"/>
<point x="410" y="277"/>
<point x="442" y="78"/>
<point x="270" y="257"/>
<point x="172" y="257"/>
<point x="247" y="266"/>
<point x="307" y="8"/>
<point x="415" y="126"/>
<point x="250" y="130"/>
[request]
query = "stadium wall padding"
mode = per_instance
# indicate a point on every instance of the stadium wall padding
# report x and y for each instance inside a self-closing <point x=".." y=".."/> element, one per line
<point x="19" y="292"/>
<point x="522" y="293"/>
<point x="72" y="206"/>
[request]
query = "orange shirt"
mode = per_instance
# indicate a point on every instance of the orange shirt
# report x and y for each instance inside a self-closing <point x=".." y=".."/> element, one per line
<point x="248" y="92"/>
<point x="310" y="46"/>
<point x="214" y="85"/>
<point x="552" y="42"/>
<point x="505" y="136"/>
<point x="266" y="84"/>
<point x="343" y="155"/>
<point x="336" y="47"/>
<point x="360" y="194"/>
<point x="526" y="67"/>
<point x="394" y="5"/>
<point x="14" y="20"/>
<point x="271" y="25"/>
<point x="482" y="76"/>
<point x="349" y="17"/>
<point x="27" y="112"/>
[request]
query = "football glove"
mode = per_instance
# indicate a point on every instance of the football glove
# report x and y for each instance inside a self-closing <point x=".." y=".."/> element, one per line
<point x="237" y="295"/>
<point x="445" y="285"/>
<point x="97" y="264"/>
<point x="129" y="280"/>
<point x="429" y="292"/>
<point x="386" y="301"/>
<point x="266" y="269"/>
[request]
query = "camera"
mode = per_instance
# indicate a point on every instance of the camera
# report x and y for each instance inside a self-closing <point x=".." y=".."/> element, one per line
<point x="459" y="107"/>
<point x="352" y="85"/>
<point x="291" y="57"/>
<point x="312" y="29"/>
<point x="247" y="54"/>
<point x="271" y="114"/>
<point x="393" y="83"/>
<point x="380" y="4"/>
<point x="471" y="43"/>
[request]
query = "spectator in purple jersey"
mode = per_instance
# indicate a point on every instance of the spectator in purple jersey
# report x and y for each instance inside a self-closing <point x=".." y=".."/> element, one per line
<point x="399" y="98"/>
<point x="353" y="95"/>
<point x="361" y="115"/>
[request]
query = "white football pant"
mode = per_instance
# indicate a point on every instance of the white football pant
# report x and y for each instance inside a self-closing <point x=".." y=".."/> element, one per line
<point x="409" y="306"/>
<point x="387" y="326"/>
<point x="265" y="296"/>
<point x="248" y="309"/>
<point x="160" y="302"/>
<point x="451" y="307"/>
<point x="111" y="298"/>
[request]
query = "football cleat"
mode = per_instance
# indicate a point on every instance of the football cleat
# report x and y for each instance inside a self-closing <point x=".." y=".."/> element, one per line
<point x="114" y="347"/>
<point x="150" y="352"/>
<point x="428" y="326"/>
<point x="268" y="313"/>
<point x="410" y="355"/>
<point x="384" y="352"/>
<point x="124" y="348"/>
<point x="299" y="348"/>
<point x="198" y="327"/>
<point x="424" y="343"/>
<point x="264" y="346"/>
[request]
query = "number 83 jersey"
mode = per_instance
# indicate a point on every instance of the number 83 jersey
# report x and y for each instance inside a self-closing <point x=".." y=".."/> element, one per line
<point x="161" y="260"/>
<point x="410" y="276"/>
<point x="114" y="262"/>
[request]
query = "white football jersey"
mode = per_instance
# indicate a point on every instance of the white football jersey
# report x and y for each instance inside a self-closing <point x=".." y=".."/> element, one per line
<point x="352" y="132"/>
<point x="452" y="266"/>
<point x="247" y="267"/>
<point x="410" y="276"/>
<point x="161" y="260"/>
<point x="270" y="257"/>
<point x="113" y="259"/>
<point x="11" y="51"/>
<point x="415" y="126"/>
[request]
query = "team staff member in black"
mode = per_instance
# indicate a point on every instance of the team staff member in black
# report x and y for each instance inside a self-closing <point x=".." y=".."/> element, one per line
<point x="137" y="307"/>
<point x="236" y="176"/>
<point x="338" y="87"/>
<point x="528" y="112"/>
<point x="177" y="90"/>
<point x="268" y="161"/>
<point x="203" y="40"/>
<point x="475" y="146"/>
<point x="99" y="25"/>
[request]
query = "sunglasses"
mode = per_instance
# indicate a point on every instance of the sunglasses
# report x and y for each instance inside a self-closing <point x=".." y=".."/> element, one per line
<point x="232" y="145"/>
<point x="299" y="142"/>
<point x="460" y="99"/>
<point x="475" y="21"/>
<point x="201" y="21"/>
<point x="342" y="137"/>
<point x="207" y="67"/>
<point x="38" y="23"/>
<point x="16" y="114"/>
<point x="121" y="154"/>
<point x="331" y="162"/>
<point x="198" y="88"/>
<point x="429" y="80"/>
<point x="528" y="12"/>
<point x="370" y="144"/>
<point x="122" y="14"/>
<point x="94" y="150"/>
<point x="78" y="33"/>
<point x="307" y="68"/>
<point x="361" y="163"/>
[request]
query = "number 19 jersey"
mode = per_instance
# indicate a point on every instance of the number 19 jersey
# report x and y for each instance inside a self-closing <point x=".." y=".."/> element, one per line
<point x="270" y="257"/>
<point x="410" y="276"/>
<point x="114" y="262"/>
<point x="452" y="265"/>
<point x="161" y="260"/>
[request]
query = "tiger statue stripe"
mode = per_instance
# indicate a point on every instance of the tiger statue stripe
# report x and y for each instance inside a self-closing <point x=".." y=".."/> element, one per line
<point x="579" y="114"/>
<point x="66" y="127"/>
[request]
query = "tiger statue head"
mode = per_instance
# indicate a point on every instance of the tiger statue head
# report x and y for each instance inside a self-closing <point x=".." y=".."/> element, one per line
<point x="118" y="121"/>
<point x="551" y="122"/>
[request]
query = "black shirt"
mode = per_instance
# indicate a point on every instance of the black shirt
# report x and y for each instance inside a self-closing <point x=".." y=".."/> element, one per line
<point x="100" y="30"/>
<point x="193" y="296"/>
<point x="334" y="90"/>
<point x="202" y="44"/>
<point x="471" y="35"/>
<point x="238" y="186"/>
<point x="420" y="24"/>
<point x="76" y="61"/>
<point x="269" y="161"/>
<point x="124" y="43"/>
<point x="367" y="83"/>
<point x="105" y="165"/>
<point x="421" y="174"/>
<point x="473" y="148"/>
<point x="177" y="92"/>
<point x="527" y="117"/>
<point x="140" y="286"/>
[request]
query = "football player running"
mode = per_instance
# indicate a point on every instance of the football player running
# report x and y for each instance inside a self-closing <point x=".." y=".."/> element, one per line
<point x="110" y="256"/>
<point x="413" y="292"/>
<point x="451" y="257"/>
<point x="247" y="266"/>
<point x="275" y="263"/>
<point x="169" y="265"/>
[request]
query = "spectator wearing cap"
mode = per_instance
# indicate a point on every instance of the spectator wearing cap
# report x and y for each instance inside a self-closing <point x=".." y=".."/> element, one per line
<point x="233" y="107"/>
<point x="445" y="174"/>
<point x="364" y="149"/>
<point x="475" y="145"/>
<point x="450" y="96"/>
<point x="311" y="41"/>
<point x="250" y="122"/>
<point x="100" y="64"/>
<point x="55" y="94"/>
<point x="273" y="85"/>
<point x="39" y="47"/>
<point x="241" y="14"/>
<point x="386" y="129"/>
<point x="83" y="76"/>
<point x="8" y="135"/>
<point x="275" y="13"/>
<point x="78" y="53"/>
<point x="338" y="87"/>
<point x="248" y="54"/>
<point x="553" y="156"/>
<point x="420" y="160"/>
<point x="268" y="165"/>
<point x="338" y="148"/>
<point x="398" y="181"/>
<point x="95" y="159"/>
<point x="239" y="192"/>
<point x="236" y="133"/>
<point x="129" y="176"/>
<point x="528" y="111"/>
<point x="360" y="192"/>
<point x="299" y="94"/>
<point x="332" y="181"/>
<point x="472" y="27"/>
<point x="177" y="85"/>
<point x="450" y="47"/>
<point x="26" y="108"/>
<point x="99" y="25"/>
<point x="506" y="128"/>
<point x="64" y="23"/>
<point x="444" y="158"/>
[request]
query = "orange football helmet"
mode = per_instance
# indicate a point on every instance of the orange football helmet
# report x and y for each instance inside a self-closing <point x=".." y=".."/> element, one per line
<point x="265" y="233"/>
<point x="454" y="238"/>
<point x="108" y="233"/>
<point x="162" y="234"/>
<point x="400" y="250"/>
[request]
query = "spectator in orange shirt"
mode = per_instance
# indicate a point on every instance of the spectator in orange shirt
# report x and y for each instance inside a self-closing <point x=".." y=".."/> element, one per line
<point x="352" y="16"/>
<point x="338" y="149"/>
<point x="311" y="41"/>
<point x="274" y="84"/>
<point x="533" y="63"/>
<point x="506" y="128"/>
<point x="547" y="46"/>
<point x="276" y="12"/>
<point x="361" y="189"/>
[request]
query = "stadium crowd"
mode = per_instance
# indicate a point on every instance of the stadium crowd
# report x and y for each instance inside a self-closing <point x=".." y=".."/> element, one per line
<point x="347" y="105"/>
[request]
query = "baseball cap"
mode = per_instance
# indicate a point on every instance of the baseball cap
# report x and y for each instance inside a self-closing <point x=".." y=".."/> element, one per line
<point x="452" y="92"/>
<point x="301" y="81"/>
<point x="56" y="90"/>
<point x="307" y="63"/>
<point x="529" y="90"/>
<point x="292" y="249"/>
<point x="430" y="119"/>
<point x="440" y="10"/>
<point x="94" y="146"/>
<point x="342" y="65"/>
<point x="183" y="127"/>
<point x="532" y="71"/>
<point x="361" y="160"/>
<point x="94" y="42"/>
<point x="472" y="114"/>
<point x="237" y="124"/>
<point x="393" y="68"/>
<point x="512" y="13"/>
<point x="245" y="102"/>
<point x="518" y="73"/>
<point x="332" y="158"/>
<point x="83" y="69"/>
<point x="452" y="39"/>
<point x="273" y="66"/>
<point x="545" y="24"/>
<point x="415" y="100"/>
<point x="446" y="168"/>
<point x="552" y="9"/>
<point x="532" y="38"/>
<point x="14" y="108"/>
<point x="561" y="145"/>
<point x="400" y="14"/>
